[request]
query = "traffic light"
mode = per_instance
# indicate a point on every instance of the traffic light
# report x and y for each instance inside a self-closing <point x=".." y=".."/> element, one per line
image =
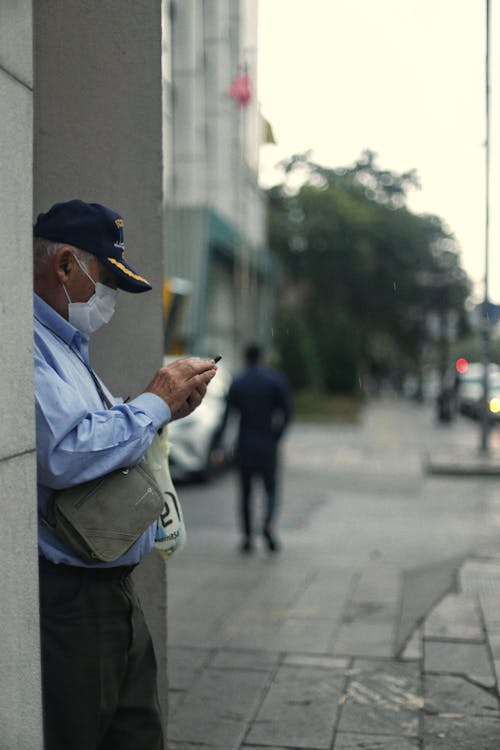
<point x="461" y="365"/>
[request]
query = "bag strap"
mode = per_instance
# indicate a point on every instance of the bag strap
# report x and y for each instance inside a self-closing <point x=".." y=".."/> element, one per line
<point x="107" y="403"/>
<point x="105" y="400"/>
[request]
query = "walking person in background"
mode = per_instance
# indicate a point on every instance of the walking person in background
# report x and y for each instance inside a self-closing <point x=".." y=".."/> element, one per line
<point x="98" y="665"/>
<point x="261" y="397"/>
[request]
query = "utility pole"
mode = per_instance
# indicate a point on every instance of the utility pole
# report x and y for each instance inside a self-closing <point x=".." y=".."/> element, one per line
<point x="485" y="349"/>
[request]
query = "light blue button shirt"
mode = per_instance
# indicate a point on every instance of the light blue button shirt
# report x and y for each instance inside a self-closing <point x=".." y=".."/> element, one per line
<point x="77" y="437"/>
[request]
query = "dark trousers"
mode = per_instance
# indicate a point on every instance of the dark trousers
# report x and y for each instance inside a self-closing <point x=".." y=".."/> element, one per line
<point x="250" y="469"/>
<point x="98" y="665"/>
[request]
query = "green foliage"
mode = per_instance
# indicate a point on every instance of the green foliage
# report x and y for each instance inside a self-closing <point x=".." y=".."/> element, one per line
<point x="313" y="407"/>
<point x="470" y="347"/>
<point x="296" y="350"/>
<point x="360" y="269"/>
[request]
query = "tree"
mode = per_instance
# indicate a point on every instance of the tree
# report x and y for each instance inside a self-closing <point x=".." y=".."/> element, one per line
<point x="355" y="268"/>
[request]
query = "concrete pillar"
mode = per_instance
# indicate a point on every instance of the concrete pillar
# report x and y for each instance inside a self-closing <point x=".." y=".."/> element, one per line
<point x="20" y="704"/>
<point x="98" y="136"/>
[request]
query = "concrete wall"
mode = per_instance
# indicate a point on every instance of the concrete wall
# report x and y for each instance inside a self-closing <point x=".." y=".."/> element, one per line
<point x="20" y="704"/>
<point x="98" y="136"/>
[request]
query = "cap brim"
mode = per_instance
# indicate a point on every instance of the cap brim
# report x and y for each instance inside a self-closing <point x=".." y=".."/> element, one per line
<point x="126" y="277"/>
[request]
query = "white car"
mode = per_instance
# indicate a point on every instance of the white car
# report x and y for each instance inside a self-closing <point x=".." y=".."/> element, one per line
<point x="191" y="440"/>
<point x="470" y="388"/>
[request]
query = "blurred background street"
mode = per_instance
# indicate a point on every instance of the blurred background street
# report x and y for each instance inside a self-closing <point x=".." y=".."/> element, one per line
<point x="263" y="649"/>
<point x="359" y="491"/>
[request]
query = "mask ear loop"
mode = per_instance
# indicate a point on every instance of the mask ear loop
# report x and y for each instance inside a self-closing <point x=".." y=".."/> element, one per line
<point x="66" y="292"/>
<point x="86" y="274"/>
<point x="82" y="268"/>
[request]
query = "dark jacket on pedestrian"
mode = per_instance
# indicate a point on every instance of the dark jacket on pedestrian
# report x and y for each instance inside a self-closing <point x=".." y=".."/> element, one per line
<point x="262" y="398"/>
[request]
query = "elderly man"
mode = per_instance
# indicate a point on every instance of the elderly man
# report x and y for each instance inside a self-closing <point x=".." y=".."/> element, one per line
<point x="98" y="666"/>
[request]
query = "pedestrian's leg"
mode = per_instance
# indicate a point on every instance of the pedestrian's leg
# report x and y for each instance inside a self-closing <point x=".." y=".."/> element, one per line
<point x="245" y="475"/>
<point x="269" y="471"/>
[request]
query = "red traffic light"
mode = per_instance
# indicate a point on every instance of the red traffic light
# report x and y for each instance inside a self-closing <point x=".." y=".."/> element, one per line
<point x="461" y="365"/>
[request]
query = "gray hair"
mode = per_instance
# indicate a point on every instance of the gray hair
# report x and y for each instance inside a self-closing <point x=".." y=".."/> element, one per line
<point x="43" y="249"/>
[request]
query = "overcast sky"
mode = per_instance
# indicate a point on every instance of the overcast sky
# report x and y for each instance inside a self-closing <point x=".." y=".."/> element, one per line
<point x="405" y="78"/>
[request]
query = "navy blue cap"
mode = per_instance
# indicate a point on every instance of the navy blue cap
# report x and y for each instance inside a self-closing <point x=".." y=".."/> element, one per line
<point x="96" y="229"/>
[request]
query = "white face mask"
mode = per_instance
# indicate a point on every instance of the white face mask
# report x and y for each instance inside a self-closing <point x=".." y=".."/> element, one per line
<point x="97" y="311"/>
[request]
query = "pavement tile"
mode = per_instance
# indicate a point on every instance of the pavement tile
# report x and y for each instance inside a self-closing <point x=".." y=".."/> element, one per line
<point x="212" y="604"/>
<point x="277" y="591"/>
<point x="421" y="587"/>
<point x="239" y="659"/>
<point x="187" y="580"/>
<point x="408" y="669"/>
<point x="348" y="741"/>
<point x="382" y="697"/>
<point x="491" y="610"/>
<point x="445" y="694"/>
<point x="175" y="698"/>
<point x="196" y="746"/>
<point x="481" y="577"/>
<point x="369" y="610"/>
<point x="457" y="616"/>
<point x="191" y="631"/>
<point x="306" y="634"/>
<point x="324" y="596"/>
<point x="216" y="711"/>
<point x="184" y="664"/>
<point x="321" y="662"/>
<point x="496" y="667"/>
<point x="491" y="613"/>
<point x="254" y="623"/>
<point x="256" y="636"/>
<point x="379" y="583"/>
<point x="455" y="657"/>
<point x="448" y="732"/>
<point x="413" y="649"/>
<point x="365" y="639"/>
<point x="299" y="710"/>
<point x="494" y="641"/>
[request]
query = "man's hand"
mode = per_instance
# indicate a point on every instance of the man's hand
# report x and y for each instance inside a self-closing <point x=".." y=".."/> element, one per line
<point x="182" y="384"/>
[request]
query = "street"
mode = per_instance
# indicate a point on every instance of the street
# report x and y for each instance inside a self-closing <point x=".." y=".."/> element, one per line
<point x="297" y="650"/>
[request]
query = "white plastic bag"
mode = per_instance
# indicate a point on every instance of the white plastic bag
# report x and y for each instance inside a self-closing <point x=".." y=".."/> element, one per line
<point x="170" y="534"/>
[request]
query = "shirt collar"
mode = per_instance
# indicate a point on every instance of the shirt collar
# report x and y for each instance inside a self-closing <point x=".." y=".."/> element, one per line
<point x="51" y="319"/>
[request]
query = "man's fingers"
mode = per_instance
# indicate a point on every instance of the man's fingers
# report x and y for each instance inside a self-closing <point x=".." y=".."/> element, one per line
<point x="183" y="383"/>
<point x="200" y="389"/>
<point x="193" y="366"/>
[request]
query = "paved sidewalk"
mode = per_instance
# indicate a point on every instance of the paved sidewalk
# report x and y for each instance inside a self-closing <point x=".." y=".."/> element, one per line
<point x="297" y="650"/>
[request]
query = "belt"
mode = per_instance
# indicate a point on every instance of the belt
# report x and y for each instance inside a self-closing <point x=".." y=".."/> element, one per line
<point x="118" y="572"/>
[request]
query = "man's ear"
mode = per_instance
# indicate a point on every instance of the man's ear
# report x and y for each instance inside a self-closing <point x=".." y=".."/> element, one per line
<point x="64" y="263"/>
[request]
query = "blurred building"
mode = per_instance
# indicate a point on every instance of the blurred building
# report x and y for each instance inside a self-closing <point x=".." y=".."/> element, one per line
<point x="215" y="213"/>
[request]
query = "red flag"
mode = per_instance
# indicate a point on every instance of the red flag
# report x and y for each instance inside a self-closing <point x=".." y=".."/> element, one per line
<point x="240" y="89"/>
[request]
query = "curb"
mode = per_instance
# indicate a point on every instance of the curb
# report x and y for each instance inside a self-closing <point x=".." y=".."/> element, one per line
<point x="454" y="464"/>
